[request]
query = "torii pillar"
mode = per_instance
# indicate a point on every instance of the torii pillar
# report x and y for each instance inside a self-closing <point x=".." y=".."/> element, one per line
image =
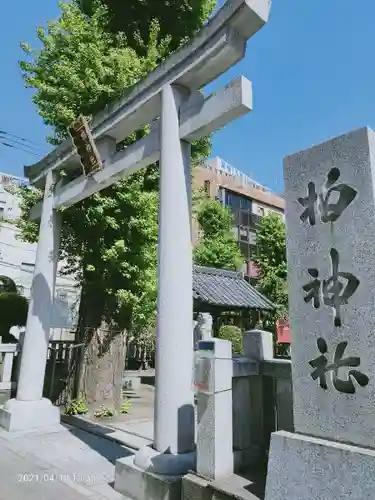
<point x="174" y="409"/>
<point x="29" y="409"/>
<point x="174" y="419"/>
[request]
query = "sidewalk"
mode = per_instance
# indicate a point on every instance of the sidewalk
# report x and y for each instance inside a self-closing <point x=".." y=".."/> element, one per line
<point x="134" y="429"/>
<point x="58" y="462"/>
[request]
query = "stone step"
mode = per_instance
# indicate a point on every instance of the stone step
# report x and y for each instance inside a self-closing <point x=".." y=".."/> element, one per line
<point x="122" y="437"/>
<point x="237" y="487"/>
<point x="131" y="440"/>
<point x="232" y="487"/>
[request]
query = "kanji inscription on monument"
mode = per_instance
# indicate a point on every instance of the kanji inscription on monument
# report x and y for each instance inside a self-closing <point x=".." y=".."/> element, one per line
<point x="329" y="212"/>
<point x="330" y="222"/>
<point x="335" y="291"/>
<point x="322" y="368"/>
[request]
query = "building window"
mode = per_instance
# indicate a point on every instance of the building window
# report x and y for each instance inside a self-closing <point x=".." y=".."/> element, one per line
<point x="245" y="249"/>
<point x="244" y="233"/>
<point x="252" y="238"/>
<point x="245" y="218"/>
<point x="255" y="219"/>
<point x="221" y="195"/>
<point x="245" y="204"/>
<point x="237" y="202"/>
<point x="254" y="252"/>
<point x="207" y="187"/>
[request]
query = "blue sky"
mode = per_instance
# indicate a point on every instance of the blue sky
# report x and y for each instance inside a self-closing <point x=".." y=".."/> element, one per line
<point x="312" y="68"/>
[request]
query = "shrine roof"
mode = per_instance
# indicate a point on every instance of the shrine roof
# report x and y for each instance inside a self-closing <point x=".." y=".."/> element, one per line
<point x="225" y="288"/>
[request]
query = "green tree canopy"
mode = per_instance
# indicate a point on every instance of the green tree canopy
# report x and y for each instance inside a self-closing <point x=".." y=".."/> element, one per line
<point x="218" y="246"/>
<point x="179" y="19"/>
<point x="271" y="261"/>
<point x="81" y="67"/>
<point x="108" y="240"/>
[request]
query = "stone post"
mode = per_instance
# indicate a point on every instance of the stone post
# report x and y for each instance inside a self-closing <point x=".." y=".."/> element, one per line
<point x="214" y="408"/>
<point x="258" y="345"/>
<point x="174" y="410"/>
<point x="29" y="409"/>
<point x="248" y="401"/>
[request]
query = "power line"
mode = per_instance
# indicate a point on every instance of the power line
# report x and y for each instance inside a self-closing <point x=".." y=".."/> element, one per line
<point x="19" y="142"/>
<point x="19" y="148"/>
<point x="4" y="132"/>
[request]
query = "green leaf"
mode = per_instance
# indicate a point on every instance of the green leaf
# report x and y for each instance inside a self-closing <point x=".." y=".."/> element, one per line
<point x="109" y="241"/>
<point x="218" y="247"/>
<point x="271" y="262"/>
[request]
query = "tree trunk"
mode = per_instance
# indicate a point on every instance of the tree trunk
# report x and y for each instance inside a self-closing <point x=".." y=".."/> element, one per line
<point x="103" y="368"/>
<point x="102" y="363"/>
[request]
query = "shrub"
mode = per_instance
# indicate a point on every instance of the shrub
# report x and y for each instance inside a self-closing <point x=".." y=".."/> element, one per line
<point x="234" y="334"/>
<point x="7" y="285"/>
<point x="13" y="312"/>
<point x="76" y="407"/>
<point x="104" y="412"/>
<point x="126" y="405"/>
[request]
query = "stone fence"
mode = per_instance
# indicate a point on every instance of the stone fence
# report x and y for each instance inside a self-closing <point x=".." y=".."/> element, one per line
<point x="8" y="353"/>
<point x="262" y="398"/>
<point x="261" y="392"/>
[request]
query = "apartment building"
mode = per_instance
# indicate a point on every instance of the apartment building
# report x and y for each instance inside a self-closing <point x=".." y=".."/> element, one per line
<point x="17" y="259"/>
<point x="248" y="201"/>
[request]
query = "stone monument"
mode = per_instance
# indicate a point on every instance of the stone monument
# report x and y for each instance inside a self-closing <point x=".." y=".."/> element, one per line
<point x="202" y="328"/>
<point x="330" y="216"/>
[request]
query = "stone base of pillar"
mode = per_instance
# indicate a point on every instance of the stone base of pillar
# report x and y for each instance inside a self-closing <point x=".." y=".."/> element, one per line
<point x="150" y="474"/>
<point x="18" y="415"/>
<point x="310" y="468"/>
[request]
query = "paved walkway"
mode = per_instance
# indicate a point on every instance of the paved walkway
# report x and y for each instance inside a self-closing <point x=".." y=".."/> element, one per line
<point x="58" y="462"/>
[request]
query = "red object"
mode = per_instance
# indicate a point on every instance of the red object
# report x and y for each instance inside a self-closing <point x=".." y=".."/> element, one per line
<point x="283" y="332"/>
<point x="252" y="270"/>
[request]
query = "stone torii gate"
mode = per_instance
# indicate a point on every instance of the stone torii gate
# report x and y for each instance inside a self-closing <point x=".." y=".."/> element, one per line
<point x="170" y="93"/>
